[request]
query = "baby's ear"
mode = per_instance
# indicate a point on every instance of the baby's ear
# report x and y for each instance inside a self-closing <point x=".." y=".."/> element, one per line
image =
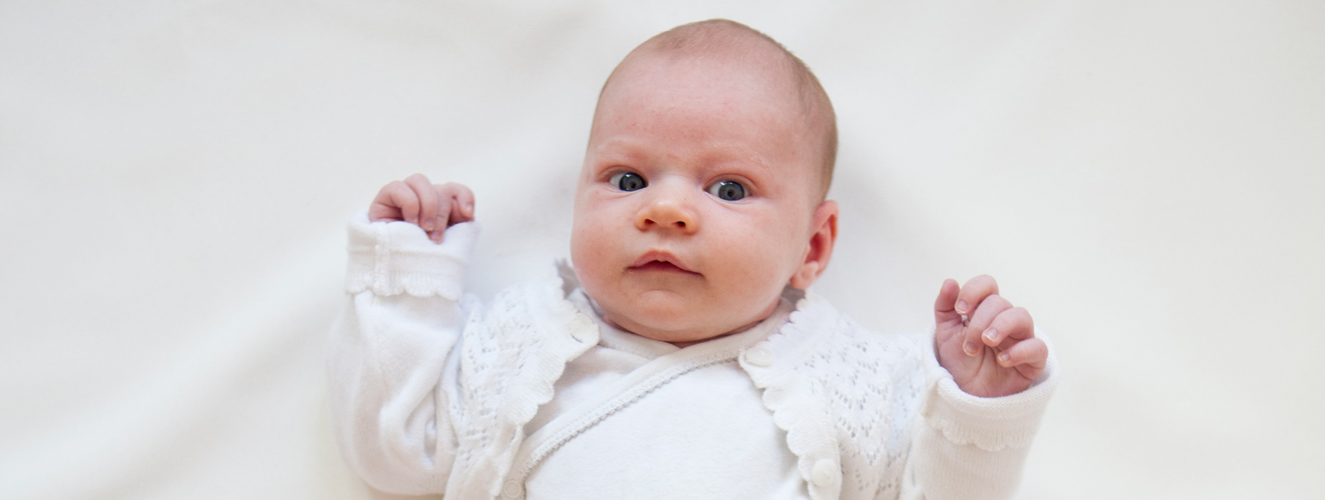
<point x="820" y="247"/>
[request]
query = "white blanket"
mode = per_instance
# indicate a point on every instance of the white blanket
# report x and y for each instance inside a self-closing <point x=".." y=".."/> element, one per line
<point x="1144" y="176"/>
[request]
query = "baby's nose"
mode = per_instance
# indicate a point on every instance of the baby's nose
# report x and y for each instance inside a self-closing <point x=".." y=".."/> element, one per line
<point x="668" y="208"/>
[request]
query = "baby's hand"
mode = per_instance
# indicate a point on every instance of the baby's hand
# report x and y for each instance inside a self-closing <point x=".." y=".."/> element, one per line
<point x="992" y="351"/>
<point x="433" y="207"/>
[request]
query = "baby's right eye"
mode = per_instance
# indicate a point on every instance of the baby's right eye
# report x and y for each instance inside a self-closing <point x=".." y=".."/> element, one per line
<point x="627" y="181"/>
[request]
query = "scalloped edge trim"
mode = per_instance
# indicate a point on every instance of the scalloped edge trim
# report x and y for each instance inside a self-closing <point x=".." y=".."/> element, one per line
<point x="534" y="386"/>
<point x="810" y="431"/>
<point x="985" y="440"/>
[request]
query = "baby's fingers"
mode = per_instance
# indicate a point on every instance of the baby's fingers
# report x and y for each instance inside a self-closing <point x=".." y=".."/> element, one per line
<point x="458" y="203"/>
<point x="943" y="304"/>
<point x="974" y="292"/>
<point x="1028" y="357"/>
<point x="980" y="321"/>
<point x="426" y="217"/>
<point x="396" y="201"/>
<point x="1014" y="323"/>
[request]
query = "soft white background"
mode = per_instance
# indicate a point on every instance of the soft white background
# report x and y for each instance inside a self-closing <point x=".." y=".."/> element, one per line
<point x="1145" y="176"/>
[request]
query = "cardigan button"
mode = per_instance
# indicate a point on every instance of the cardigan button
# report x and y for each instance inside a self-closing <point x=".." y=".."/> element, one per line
<point x="582" y="328"/>
<point x="512" y="489"/>
<point x="825" y="473"/>
<point x="759" y="356"/>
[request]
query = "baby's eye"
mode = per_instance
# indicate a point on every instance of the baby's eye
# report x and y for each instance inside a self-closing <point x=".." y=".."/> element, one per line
<point x="727" y="190"/>
<point x="627" y="181"/>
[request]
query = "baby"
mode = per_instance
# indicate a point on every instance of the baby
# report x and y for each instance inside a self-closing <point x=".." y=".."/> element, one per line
<point x="681" y="357"/>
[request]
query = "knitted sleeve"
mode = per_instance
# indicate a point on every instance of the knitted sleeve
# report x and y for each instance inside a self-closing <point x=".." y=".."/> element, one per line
<point x="969" y="447"/>
<point x="393" y="364"/>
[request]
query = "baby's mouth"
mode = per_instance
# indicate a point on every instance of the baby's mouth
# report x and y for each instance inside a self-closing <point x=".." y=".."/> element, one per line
<point x="659" y="266"/>
<point x="656" y="261"/>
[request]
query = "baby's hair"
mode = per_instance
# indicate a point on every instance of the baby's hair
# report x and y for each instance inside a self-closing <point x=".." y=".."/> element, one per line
<point x="719" y="35"/>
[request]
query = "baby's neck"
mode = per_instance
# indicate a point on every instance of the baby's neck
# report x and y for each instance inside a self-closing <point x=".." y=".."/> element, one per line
<point x="677" y="344"/>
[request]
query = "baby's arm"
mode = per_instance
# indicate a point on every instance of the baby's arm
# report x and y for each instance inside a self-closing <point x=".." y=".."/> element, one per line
<point x="990" y="380"/>
<point x="393" y="365"/>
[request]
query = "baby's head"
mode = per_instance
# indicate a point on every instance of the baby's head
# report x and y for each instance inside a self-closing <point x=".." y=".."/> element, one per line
<point x="702" y="192"/>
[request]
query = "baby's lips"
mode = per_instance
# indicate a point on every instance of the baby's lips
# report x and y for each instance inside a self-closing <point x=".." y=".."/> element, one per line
<point x="660" y="256"/>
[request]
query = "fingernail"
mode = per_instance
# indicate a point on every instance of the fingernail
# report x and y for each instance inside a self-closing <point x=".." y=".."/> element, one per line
<point x="1004" y="359"/>
<point x="970" y="349"/>
<point x="427" y="225"/>
<point x="469" y="208"/>
<point x="991" y="334"/>
<point x="961" y="306"/>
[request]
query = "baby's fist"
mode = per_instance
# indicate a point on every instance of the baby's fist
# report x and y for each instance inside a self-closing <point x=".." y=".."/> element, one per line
<point x="433" y="207"/>
<point x="989" y="346"/>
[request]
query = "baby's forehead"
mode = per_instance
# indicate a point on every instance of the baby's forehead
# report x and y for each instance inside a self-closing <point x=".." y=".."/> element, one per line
<point x="757" y="59"/>
<point x="741" y="83"/>
<point x="723" y="49"/>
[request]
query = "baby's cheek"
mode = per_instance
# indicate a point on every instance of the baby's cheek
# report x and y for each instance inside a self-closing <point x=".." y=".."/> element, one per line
<point x="757" y="266"/>
<point x="587" y="258"/>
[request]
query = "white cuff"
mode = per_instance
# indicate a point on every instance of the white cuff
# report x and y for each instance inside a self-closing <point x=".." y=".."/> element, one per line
<point x="391" y="258"/>
<point x="989" y="423"/>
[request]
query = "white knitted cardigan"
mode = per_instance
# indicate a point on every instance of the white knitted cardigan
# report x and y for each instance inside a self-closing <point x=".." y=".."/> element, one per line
<point x="431" y="392"/>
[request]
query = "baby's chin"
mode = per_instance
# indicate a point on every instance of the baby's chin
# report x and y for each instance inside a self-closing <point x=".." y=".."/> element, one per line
<point x="681" y="328"/>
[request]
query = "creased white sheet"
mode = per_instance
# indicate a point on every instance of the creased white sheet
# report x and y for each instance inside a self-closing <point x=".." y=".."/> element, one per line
<point x="1144" y="176"/>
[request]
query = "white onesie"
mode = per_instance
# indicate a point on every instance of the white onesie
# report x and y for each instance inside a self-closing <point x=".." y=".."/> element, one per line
<point x="535" y="397"/>
<point x="615" y="429"/>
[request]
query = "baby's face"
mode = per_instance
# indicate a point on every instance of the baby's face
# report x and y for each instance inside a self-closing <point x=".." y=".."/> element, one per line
<point x="694" y="205"/>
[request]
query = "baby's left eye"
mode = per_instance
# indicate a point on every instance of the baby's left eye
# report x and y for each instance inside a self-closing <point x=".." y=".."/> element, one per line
<point x="627" y="181"/>
<point x="727" y="190"/>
